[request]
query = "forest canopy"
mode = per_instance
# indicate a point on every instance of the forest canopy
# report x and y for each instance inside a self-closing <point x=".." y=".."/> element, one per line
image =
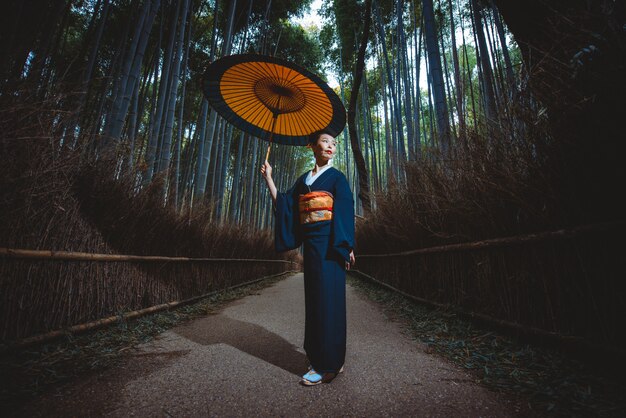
<point x="435" y="78"/>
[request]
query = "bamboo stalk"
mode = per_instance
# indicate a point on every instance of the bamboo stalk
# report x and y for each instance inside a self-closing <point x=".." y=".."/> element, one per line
<point x="501" y="242"/>
<point x="79" y="256"/>
<point x="99" y="323"/>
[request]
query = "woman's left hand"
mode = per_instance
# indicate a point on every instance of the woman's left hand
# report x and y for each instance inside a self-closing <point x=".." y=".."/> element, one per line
<point x="352" y="260"/>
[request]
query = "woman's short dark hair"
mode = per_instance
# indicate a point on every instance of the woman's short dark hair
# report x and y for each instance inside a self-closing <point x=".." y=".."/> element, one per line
<point x="316" y="135"/>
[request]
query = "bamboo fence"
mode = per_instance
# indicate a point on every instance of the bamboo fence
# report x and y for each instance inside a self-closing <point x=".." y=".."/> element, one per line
<point x="127" y="316"/>
<point x="81" y="256"/>
<point x="48" y="292"/>
<point x="561" y="285"/>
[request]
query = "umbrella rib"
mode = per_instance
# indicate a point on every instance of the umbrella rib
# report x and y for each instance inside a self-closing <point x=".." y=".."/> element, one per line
<point x="267" y="70"/>
<point x="316" y="102"/>
<point x="240" y="74"/>
<point x="239" y="95"/>
<point x="256" y="116"/>
<point x="238" y="98"/>
<point x="245" y="102"/>
<point x="317" y="98"/>
<point x="244" y="110"/>
<point x="308" y="114"/>
<point x="246" y="113"/>
<point x="313" y="90"/>
<point x="273" y="70"/>
<point x="306" y="122"/>
<point x="252" y="114"/>
<point x="319" y="112"/>
<point x="295" y="121"/>
<point x="280" y="126"/>
<point x="289" y="128"/>
<point x="234" y="88"/>
<point x="296" y="74"/>
<point x="249" y="69"/>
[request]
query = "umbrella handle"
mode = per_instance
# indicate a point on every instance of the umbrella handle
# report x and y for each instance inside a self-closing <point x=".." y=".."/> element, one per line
<point x="269" y="147"/>
<point x="267" y="156"/>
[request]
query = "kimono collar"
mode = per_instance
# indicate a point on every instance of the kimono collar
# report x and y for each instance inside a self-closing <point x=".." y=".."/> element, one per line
<point x="310" y="177"/>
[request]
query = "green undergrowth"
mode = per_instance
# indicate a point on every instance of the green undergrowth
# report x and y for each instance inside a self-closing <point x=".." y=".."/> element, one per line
<point x="552" y="382"/>
<point x="31" y="371"/>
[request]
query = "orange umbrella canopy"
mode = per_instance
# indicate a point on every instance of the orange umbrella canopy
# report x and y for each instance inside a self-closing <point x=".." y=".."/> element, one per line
<point x="272" y="99"/>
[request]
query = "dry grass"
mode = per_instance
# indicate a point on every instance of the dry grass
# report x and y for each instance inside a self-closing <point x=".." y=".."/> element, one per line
<point x="553" y="383"/>
<point x="53" y="197"/>
<point x="502" y="182"/>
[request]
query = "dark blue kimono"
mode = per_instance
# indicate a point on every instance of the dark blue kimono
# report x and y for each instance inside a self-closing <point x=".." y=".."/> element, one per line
<point x="327" y="246"/>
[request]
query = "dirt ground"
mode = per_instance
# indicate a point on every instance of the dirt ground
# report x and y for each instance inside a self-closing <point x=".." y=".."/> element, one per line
<point x="247" y="360"/>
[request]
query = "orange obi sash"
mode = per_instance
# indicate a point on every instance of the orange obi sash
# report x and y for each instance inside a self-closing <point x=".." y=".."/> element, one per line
<point x="315" y="207"/>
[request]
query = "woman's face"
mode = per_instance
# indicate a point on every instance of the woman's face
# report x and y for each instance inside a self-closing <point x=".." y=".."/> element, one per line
<point x="325" y="147"/>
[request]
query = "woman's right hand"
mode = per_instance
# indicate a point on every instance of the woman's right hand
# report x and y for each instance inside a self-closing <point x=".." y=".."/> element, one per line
<point x="266" y="170"/>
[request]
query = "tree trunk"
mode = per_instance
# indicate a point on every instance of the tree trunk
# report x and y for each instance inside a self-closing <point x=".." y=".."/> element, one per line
<point x="203" y="156"/>
<point x="225" y="163"/>
<point x="457" y="73"/>
<point x="436" y="75"/>
<point x="364" y="192"/>
<point x="132" y="129"/>
<point x="468" y="72"/>
<point x="489" y="97"/>
<point x="237" y="179"/>
<point x="345" y="136"/>
<point x="115" y="119"/>
<point x="510" y="77"/>
<point x="446" y="78"/>
<point x="403" y="62"/>
<point x="166" y="150"/>
<point x="226" y="47"/>
<point x="181" y="112"/>
<point x="164" y="87"/>
<point x="418" y="92"/>
<point x="391" y="167"/>
<point x="394" y="107"/>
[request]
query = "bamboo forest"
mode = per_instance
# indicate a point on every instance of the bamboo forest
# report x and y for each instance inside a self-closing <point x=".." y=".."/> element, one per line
<point x="154" y="225"/>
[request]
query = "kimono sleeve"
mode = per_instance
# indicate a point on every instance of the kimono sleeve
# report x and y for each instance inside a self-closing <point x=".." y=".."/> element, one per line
<point x="342" y="234"/>
<point x="286" y="229"/>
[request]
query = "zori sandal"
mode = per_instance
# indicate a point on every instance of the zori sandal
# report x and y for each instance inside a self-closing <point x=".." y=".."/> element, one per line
<point x="312" y="378"/>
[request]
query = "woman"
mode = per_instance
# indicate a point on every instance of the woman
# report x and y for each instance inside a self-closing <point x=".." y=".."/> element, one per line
<point x="318" y="211"/>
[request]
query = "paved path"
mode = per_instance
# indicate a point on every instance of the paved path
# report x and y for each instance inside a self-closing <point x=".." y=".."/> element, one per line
<point x="247" y="359"/>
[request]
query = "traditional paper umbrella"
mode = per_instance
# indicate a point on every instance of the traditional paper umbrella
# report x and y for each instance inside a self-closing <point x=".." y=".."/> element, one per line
<point x="272" y="99"/>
